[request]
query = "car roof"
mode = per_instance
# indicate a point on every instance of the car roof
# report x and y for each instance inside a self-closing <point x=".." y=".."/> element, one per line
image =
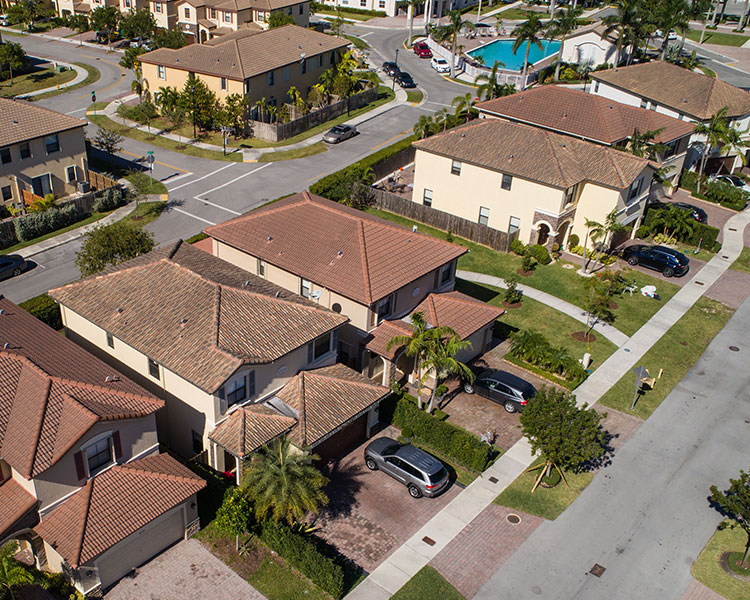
<point x="419" y="458"/>
<point x="510" y="379"/>
<point x="668" y="250"/>
<point x="438" y="59"/>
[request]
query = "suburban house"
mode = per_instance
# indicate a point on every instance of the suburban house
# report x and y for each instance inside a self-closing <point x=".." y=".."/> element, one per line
<point x="345" y="260"/>
<point x="208" y="338"/>
<point x="594" y="119"/>
<point x="256" y="64"/>
<point x="518" y="178"/>
<point x="41" y="152"/>
<point x="164" y="13"/>
<point x="83" y="487"/>
<point x="686" y="95"/>
<point x="590" y="46"/>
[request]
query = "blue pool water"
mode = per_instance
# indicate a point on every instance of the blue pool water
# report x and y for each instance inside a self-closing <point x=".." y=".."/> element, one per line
<point x="502" y="50"/>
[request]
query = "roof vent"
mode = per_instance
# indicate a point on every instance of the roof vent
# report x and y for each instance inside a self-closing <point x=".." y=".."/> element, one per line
<point x="414" y="228"/>
<point x="119" y="310"/>
<point x="269" y="238"/>
<point x="111" y="378"/>
<point x="463" y="135"/>
<point x="339" y="254"/>
<point x="183" y="321"/>
<point x="277" y="294"/>
<point x="6" y="345"/>
<point x="565" y="115"/>
<point x="2" y="311"/>
<point x="564" y="146"/>
<point x="15" y="121"/>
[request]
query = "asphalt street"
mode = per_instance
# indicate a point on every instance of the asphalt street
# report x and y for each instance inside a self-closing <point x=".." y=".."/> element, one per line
<point x="646" y="517"/>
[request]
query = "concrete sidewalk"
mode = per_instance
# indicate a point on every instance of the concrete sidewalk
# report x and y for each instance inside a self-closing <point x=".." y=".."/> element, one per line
<point x="418" y="551"/>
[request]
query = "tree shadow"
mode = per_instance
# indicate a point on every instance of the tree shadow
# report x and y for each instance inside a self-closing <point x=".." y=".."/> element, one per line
<point x="345" y="483"/>
<point x="116" y="165"/>
<point x="608" y="452"/>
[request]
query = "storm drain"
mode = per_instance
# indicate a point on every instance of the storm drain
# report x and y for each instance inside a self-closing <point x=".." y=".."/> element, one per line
<point x="515" y="519"/>
<point x="734" y="348"/>
<point x="597" y="570"/>
<point x="428" y="541"/>
<point x="493" y="479"/>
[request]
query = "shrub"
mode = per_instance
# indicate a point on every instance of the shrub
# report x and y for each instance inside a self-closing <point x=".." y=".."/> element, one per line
<point x="109" y="200"/>
<point x="527" y="264"/>
<point x="725" y="194"/>
<point x="45" y="309"/>
<point x="706" y="233"/>
<point x="643" y="232"/>
<point x="517" y="247"/>
<point x="573" y="240"/>
<point x="305" y="556"/>
<point x="34" y="225"/>
<point x="512" y="294"/>
<point x="540" y="253"/>
<point x="689" y="180"/>
<point x="4" y="212"/>
<point x="196" y="238"/>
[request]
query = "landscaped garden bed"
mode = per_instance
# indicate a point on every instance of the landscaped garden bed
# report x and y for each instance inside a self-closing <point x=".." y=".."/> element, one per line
<point x="708" y="568"/>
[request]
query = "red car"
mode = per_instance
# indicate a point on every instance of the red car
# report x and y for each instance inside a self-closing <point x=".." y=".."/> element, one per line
<point x="422" y="50"/>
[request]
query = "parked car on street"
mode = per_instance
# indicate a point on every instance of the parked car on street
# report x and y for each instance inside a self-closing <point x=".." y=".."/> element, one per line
<point x="390" y="68"/>
<point x="339" y="133"/>
<point x="737" y="182"/>
<point x="502" y="387"/>
<point x="422" y="50"/>
<point x="440" y="65"/>
<point x="5" y="21"/>
<point x="696" y="212"/>
<point x="11" y="265"/>
<point x="420" y="472"/>
<point x="659" y="258"/>
<point x="405" y="80"/>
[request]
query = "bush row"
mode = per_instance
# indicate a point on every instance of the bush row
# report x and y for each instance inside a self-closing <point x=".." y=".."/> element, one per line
<point x="358" y="11"/>
<point x="45" y="309"/>
<point x="698" y="231"/>
<point x="109" y="200"/>
<point x="717" y="192"/>
<point x="34" y="225"/>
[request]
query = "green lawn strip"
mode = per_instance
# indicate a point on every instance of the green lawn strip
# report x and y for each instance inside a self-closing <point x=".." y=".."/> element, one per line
<point x="163" y="142"/>
<point x="519" y="14"/>
<point x="675" y="352"/>
<point x="37" y="80"/>
<point x="155" y="186"/>
<point x="345" y="15"/>
<point x="716" y="37"/>
<point x="278" y="582"/>
<point x="90" y="219"/>
<point x="316" y="148"/>
<point x="92" y="76"/>
<point x="548" y="503"/>
<point x="414" y="96"/>
<point x="96" y="106"/>
<point x="743" y="261"/>
<point x="458" y="473"/>
<point x="358" y="42"/>
<point x="707" y="71"/>
<point x="689" y="251"/>
<point x="708" y="571"/>
<point x="632" y="312"/>
<point x="147" y="213"/>
<point x="427" y="584"/>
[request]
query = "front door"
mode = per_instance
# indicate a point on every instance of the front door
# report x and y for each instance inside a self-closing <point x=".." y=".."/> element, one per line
<point x="41" y="185"/>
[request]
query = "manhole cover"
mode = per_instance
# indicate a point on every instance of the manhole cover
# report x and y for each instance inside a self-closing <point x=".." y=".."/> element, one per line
<point x="493" y="480"/>
<point x="428" y="541"/>
<point x="597" y="570"/>
<point x="515" y="519"/>
<point x="734" y="348"/>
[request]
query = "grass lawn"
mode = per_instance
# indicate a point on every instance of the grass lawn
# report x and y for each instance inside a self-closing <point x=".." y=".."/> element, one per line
<point x="92" y="76"/>
<point x="546" y="503"/>
<point x="345" y="15"/>
<point x="518" y="14"/>
<point x="675" y="352"/>
<point x="427" y="584"/>
<point x="716" y="37"/>
<point x="707" y="570"/>
<point x="154" y="187"/>
<point x="414" y="96"/>
<point x="90" y="219"/>
<point x="148" y="212"/>
<point x="358" y="42"/>
<point x="278" y="582"/>
<point x="36" y="80"/>
<point x="743" y="261"/>
<point x="632" y="312"/>
<point x="707" y="71"/>
<point x="316" y="148"/>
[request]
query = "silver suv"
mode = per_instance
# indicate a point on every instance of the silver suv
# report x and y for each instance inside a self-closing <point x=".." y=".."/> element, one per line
<point x="420" y="472"/>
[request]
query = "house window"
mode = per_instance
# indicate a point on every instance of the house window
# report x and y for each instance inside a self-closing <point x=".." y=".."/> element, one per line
<point x="635" y="189"/>
<point x="383" y="309"/>
<point x="212" y="13"/>
<point x="333" y="58"/>
<point x="596" y="87"/>
<point x="671" y="148"/>
<point x="227" y="17"/>
<point x="363" y="3"/>
<point x="261" y="267"/>
<point x="24" y="150"/>
<point x="506" y="182"/>
<point x="236" y="391"/>
<point x="110" y="340"/>
<point x="161" y="72"/>
<point x="41" y="185"/>
<point x="70" y="173"/>
<point x="320" y="61"/>
<point x="157" y="7"/>
<point x="300" y="9"/>
<point x="305" y="288"/>
<point x="261" y="16"/>
<point x="5" y="155"/>
<point x="570" y="196"/>
<point x="456" y="167"/>
<point x="303" y="66"/>
<point x="52" y="143"/>
<point x="223" y="83"/>
<point x="427" y="197"/>
<point x="187" y="12"/>
<point x="653" y="106"/>
<point x="289" y="11"/>
<point x="285" y="74"/>
<point x="484" y="215"/>
<point x="445" y="273"/>
<point x="514" y="225"/>
<point x="7" y="193"/>
<point x="197" y="441"/>
<point x="98" y="455"/>
<point x="644" y="103"/>
<point x="270" y="78"/>
<point x="381" y="4"/>
<point x="319" y="348"/>
<point x="153" y="368"/>
<point x="247" y="87"/>
<point x="127" y="3"/>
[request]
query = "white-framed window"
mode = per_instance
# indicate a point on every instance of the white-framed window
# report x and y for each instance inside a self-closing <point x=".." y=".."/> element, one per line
<point x="261" y="267"/>
<point x="98" y="454"/>
<point x="227" y="17"/>
<point x="507" y="182"/>
<point x="153" y="368"/>
<point x="305" y="288"/>
<point x="653" y="106"/>
<point x="570" y="195"/>
<point x="363" y="3"/>
<point x="187" y="12"/>
<point x="236" y="391"/>
<point x="5" y="157"/>
<point x="321" y="346"/>
<point x="484" y="215"/>
<point x="247" y="87"/>
<point x="127" y="3"/>
<point x="261" y="16"/>
<point x="455" y="167"/>
<point x="635" y="189"/>
<point x="446" y="272"/>
<point x="514" y="225"/>
<point x="161" y="71"/>
<point x="381" y="4"/>
<point x="24" y="150"/>
<point x="212" y="13"/>
<point x="157" y="7"/>
<point x="427" y="197"/>
<point x="71" y="174"/>
<point x="223" y="83"/>
<point x="41" y="185"/>
<point x="110" y="340"/>
<point x="644" y="103"/>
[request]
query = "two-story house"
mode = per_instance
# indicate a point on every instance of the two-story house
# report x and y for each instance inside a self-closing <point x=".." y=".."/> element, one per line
<point x="518" y="178"/>
<point x="682" y="94"/>
<point x="82" y="484"/>
<point x="596" y="119"/>
<point x="41" y="152"/>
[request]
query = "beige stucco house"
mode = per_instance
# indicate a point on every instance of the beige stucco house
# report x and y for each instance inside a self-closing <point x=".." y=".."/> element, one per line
<point x="518" y="178"/>
<point x="41" y="152"/>
<point x="82" y="484"/>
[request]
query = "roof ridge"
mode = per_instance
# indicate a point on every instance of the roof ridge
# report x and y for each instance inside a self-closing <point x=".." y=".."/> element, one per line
<point x="101" y="388"/>
<point x="302" y="415"/>
<point x="237" y="50"/>
<point x="433" y="309"/>
<point x="347" y="381"/>
<point x="365" y="263"/>
<point x="553" y="150"/>
<point x="88" y="490"/>
<point x="242" y="430"/>
<point x="42" y="418"/>
<point x="466" y="300"/>
<point x="218" y="289"/>
<point x="133" y="468"/>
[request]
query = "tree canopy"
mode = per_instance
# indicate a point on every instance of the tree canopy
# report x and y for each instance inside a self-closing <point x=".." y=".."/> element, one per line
<point x="234" y="514"/>
<point x="138" y="23"/>
<point x="734" y="504"/>
<point x="110" y="245"/>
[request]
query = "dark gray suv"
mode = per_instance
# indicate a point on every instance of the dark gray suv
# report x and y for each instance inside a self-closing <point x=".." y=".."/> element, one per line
<point x="420" y="472"/>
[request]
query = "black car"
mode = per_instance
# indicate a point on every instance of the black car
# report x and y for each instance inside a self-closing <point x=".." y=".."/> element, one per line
<point x="11" y="265"/>
<point x="659" y="258"/>
<point x="502" y="387"/>
<point x="390" y="68"/>
<point x="405" y="80"/>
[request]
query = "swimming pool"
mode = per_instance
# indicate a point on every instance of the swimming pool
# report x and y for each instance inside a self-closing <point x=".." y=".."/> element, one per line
<point x="502" y="50"/>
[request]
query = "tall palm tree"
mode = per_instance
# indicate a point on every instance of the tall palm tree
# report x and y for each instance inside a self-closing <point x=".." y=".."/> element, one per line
<point x="595" y="232"/>
<point x="698" y="11"/>
<point x="441" y="360"/>
<point x="283" y="484"/>
<point x="167" y="99"/>
<point x="463" y="106"/>
<point x="140" y="83"/>
<point x="417" y="345"/>
<point x="424" y="127"/>
<point x="450" y="33"/>
<point x="488" y="86"/>
<point x="12" y="573"/>
<point x="717" y="135"/>
<point x="530" y="32"/>
<point x="411" y="7"/>
<point x="563" y="25"/>
<point x="626" y="22"/>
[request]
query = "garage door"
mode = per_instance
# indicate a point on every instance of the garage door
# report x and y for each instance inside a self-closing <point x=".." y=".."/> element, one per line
<point x="343" y="441"/>
<point x="141" y="546"/>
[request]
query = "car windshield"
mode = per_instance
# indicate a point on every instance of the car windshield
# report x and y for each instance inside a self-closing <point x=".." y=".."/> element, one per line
<point x="442" y="61"/>
<point x="390" y="450"/>
<point x="338" y="129"/>
<point x="736" y="180"/>
<point x="438" y="476"/>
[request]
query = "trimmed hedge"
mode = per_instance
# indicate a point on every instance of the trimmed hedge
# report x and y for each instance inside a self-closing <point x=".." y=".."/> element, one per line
<point x="725" y="194"/>
<point x="698" y="231"/>
<point x="540" y="253"/>
<point x="45" y="309"/>
<point x="303" y="554"/>
<point x="198" y="237"/>
<point x="517" y="247"/>
<point x="35" y="225"/>
<point x="109" y="200"/>
<point x="358" y="11"/>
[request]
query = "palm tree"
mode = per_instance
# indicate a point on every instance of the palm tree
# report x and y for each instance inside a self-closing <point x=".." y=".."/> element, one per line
<point x="450" y="33"/>
<point x="424" y="127"/>
<point x="642" y="144"/>
<point x="674" y="222"/>
<point x="595" y="231"/>
<point x="626" y="22"/>
<point x="441" y="360"/>
<point x="716" y="132"/>
<point x="140" y="83"/>
<point x="283" y="483"/>
<point x="463" y="106"/>
<point x="417" y="345"/>
<point x="562" y="26"/>
<point x="411" y="6"/>
<point x="12" y="573"/>
<point x="530" y="32"/>
<point x="523" y="343"/>
<point x="167" y="99"/>
<point x="262" y="106"/>
<point x="698" y="11"/>
<point x="488" y="87"/>
<point x="443" y="120"/>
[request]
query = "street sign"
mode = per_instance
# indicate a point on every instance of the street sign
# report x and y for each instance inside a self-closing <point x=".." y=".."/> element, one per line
<point x="641" y="376"/>
<point x="150" y="157"/>
<point x="93" y="96"/>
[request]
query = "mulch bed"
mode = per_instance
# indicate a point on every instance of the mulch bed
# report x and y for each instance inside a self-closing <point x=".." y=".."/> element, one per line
<point x="581" y="336"/>
<point x="727" y="569"/>
<point x="613" y="305"/>
<point x="245" y="564"/>
<point x="511" y="306"/>
<point x="523" y="273"/>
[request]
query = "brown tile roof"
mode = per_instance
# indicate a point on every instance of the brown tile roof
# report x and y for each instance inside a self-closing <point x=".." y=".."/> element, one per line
<point x="196" y="314"/>
<point x="52" y="391"/>
<point x="241" y="56"/>
<point x="580" y="114"/>
<point x="342" y="249"/>
<point x="553" y="159"/>
<point x="16" y="502"/>
<point x="244" y="30"/>
<point x="250" y="427"/>
<point x="21" y="120"/>
<point x="694" y="94"/>
<point x="115" y="504"/>
<point x="377" y="340"/>
<point x="238" y="5"/>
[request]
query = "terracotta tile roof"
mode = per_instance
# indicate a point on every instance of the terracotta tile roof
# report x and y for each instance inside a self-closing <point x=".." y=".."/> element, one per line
<point x="243" y="31"/>
<point x="694" y="94"/>
<point x="254" y="53"/>
<point x="21" y="120"/>
<point x="553" y="159"/>
<point x="250" y="427"/>
<point x="115" y="504"/>
<point x="237" y="5"/>
<point x="16" y="502"/>
<point x="52" y="391"/>
<point x="196" y="314"/>
<point x="580" y="114"/>
<point x="342" y="249"/>
<point x="380" y="336"/>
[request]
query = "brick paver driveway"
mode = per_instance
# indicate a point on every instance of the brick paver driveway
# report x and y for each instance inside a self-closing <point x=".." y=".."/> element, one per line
<point x="371" y="514"/>
<point x="187" y="571"/>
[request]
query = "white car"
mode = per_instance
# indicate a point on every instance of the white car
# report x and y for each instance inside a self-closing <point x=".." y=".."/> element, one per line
<point x="672" y="35"/>
<point x="731" y="180"/>
<point x="440" y="64"/>
<point x="4" y="21"/>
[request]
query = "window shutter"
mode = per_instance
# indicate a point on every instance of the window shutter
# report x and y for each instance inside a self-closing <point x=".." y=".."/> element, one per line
<point x="310" y="352"/>
<point x="118" y="446"/>
<point x="251" y="384"/>
<point x="80" y="471"/>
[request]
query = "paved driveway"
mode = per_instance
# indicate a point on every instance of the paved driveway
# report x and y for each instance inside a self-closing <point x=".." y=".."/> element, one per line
<point x="186" y="571"/>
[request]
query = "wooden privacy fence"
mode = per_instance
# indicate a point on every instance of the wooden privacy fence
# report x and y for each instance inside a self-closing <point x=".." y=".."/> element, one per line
<point x="100" y="182"/>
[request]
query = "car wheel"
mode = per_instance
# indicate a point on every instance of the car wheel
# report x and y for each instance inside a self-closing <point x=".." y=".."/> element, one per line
<point x="16" y="272"/>
<point x="510" y="407"/>
<point x="632" y="260"/>
<point x="371" y="464"/>
<point x="668" y="272"/>
<point x="468" y="388"/>
<point x="414" y="491"/>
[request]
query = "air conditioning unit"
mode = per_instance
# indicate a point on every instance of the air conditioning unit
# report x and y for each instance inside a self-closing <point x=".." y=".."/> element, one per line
<point x="83" y="187"/>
